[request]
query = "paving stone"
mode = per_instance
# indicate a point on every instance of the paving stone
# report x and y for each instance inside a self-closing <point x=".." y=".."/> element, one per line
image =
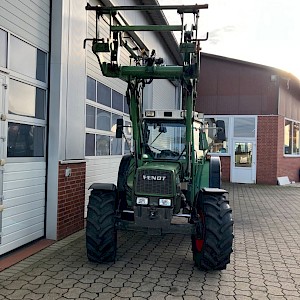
<point x="146" y="287"/>
<point x="89" y="295"/>
<point x="242" y="292"/>
<point x="171" y="297"/>
<point x="141" y="294"/>
<point x="52" y="296"/>
<point x="123" y="276"/>
<point x="59" y="291"/>
<point x="157" y="296"/>
<point x="106" y="296"/>
<point x="177" y="291"/>
<point x="18" y="294"/>
<point x="103" y="280"/>
<point x="81" y="285"/>
<point x="258" y="295"/>
<point x="164" y="289"/>
<point x="96" y="287"/>
<point x="73" y="293"/>
<point x="33" y="296"/>
<point x="125" y="292"/>
<point x="215" y="288"/>
<point x="109" y="289"/>
<point x="242" y="297"/>
<point x="132" y="284"/>
<point x="44" y="288"/>
<point x="275" y="291"/>
<point x="229" y="291"/>
<point x="225" y="297"/>
<point x="209" y="295"/>
<point x="16" y="285"/>
<point x="116" y="282"/>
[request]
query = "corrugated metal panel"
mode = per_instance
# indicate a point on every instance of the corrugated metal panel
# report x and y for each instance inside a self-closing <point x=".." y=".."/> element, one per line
<point x="27" y="19"/>
<point x="234" y="87"/>
<point x="102" y="169"/>
<point x="289" y="105"/>
<point x="24" y="203"/>
<point x="164" y="96"/>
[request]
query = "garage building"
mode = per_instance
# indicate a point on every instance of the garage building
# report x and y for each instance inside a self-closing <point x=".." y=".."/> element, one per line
<point x="261" y="109"/>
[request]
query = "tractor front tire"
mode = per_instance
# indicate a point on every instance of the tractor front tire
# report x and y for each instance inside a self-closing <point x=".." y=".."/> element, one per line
<point x="212" y="250"/>
<point x="123" y="189"/>
<point x="101" y="233"/>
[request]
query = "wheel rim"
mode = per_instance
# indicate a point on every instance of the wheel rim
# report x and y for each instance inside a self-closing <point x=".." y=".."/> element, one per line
<point x="200" y="241"/>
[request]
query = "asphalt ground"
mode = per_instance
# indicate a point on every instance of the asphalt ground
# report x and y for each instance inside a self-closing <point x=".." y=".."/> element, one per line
<point x="265" y="263"/>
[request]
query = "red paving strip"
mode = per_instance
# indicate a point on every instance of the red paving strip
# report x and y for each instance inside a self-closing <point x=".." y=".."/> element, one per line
<point x="18" y="255"/>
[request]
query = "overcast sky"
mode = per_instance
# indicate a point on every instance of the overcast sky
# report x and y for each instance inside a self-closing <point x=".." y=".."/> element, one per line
<point x="261" y="31"/>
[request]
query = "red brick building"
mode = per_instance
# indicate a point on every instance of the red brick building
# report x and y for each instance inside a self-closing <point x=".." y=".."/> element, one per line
<point x="261" y="109"/>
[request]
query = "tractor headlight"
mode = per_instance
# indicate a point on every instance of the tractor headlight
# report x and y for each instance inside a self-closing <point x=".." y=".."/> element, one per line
<point x="142" y="201"/>
<point x="164" y="202"/>
<point x="150" y="113"/>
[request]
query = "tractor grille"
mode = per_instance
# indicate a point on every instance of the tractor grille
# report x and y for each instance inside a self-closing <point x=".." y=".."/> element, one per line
<point x="157" y="182"/>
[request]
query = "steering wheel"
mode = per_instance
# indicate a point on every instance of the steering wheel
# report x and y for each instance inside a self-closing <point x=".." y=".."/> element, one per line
<point x="166" y="153"/>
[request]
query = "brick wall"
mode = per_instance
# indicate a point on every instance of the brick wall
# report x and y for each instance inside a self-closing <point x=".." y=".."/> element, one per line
<point x="287" y="166"/>
<point x="71" y="195"/>
<point x="271" y="162"/>
<point x="225" y="167"/>
<point x="267" y="149"/>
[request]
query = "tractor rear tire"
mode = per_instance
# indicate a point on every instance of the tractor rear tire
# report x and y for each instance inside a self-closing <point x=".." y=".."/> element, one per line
<point x="217" y="225"/>
<point x="101" y="233"/>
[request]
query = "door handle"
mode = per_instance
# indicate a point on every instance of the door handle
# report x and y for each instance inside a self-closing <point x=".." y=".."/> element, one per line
<point x="1" y="208"/>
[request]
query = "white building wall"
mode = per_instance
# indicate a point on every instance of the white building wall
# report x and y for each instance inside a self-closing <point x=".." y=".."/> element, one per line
<point x="67" y="96"/>
<point x="27" y="19"/>
<point x="164" y="98"/>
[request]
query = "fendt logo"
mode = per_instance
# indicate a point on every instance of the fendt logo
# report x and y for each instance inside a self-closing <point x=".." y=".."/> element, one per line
<point x="154" y="178"/>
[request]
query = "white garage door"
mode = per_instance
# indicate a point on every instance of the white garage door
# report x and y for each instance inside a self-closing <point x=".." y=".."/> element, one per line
<point x="24" y="47"/>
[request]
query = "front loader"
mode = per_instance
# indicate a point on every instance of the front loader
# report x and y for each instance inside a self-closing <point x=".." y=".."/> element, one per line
<point x="169" y="174"/>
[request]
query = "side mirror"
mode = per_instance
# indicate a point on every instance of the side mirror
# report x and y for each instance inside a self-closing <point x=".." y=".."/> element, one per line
<point x="203" y="144"/>
<point x="119" y="130"/>
<point x="221" y="136"/>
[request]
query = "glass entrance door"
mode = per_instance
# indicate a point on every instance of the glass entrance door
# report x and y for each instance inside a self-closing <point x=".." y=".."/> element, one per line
<point x="243" y="162"/>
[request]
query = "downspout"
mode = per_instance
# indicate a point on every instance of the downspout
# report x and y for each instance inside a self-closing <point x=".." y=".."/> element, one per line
<point x="48" y="110"/>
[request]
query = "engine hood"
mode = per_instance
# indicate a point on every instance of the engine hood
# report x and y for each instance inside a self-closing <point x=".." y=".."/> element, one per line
<point x="161" y="165"/>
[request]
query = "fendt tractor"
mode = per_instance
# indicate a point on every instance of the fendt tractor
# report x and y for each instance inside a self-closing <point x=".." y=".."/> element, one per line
<point x="168" y="174"/>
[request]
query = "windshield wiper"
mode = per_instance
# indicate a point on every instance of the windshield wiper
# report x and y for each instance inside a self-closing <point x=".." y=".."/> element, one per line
<point x="155" y="138"/>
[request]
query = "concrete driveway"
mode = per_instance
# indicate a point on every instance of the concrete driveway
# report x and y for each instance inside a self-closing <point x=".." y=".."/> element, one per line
<point x="265" y="263"/>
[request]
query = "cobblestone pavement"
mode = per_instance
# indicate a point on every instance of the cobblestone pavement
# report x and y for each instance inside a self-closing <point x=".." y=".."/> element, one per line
<point x="265" y="263"/>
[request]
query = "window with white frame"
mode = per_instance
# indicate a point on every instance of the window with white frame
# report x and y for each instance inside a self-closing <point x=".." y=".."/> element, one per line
<point x="291" y="137"/>
<point x="103" y="107"/>
<point x="244" y="127"/>
<point x="27" y="59"/>
<point x="27" y="97"/>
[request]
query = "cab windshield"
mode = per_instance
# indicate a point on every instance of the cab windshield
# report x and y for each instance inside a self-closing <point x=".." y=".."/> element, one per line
<point x="164" y="140"/>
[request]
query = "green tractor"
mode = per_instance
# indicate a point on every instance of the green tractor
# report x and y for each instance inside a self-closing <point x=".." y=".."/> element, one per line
<point x="169" y="174"/>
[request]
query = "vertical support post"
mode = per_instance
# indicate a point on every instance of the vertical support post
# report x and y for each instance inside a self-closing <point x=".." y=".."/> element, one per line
<point x="135" y="119"/>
